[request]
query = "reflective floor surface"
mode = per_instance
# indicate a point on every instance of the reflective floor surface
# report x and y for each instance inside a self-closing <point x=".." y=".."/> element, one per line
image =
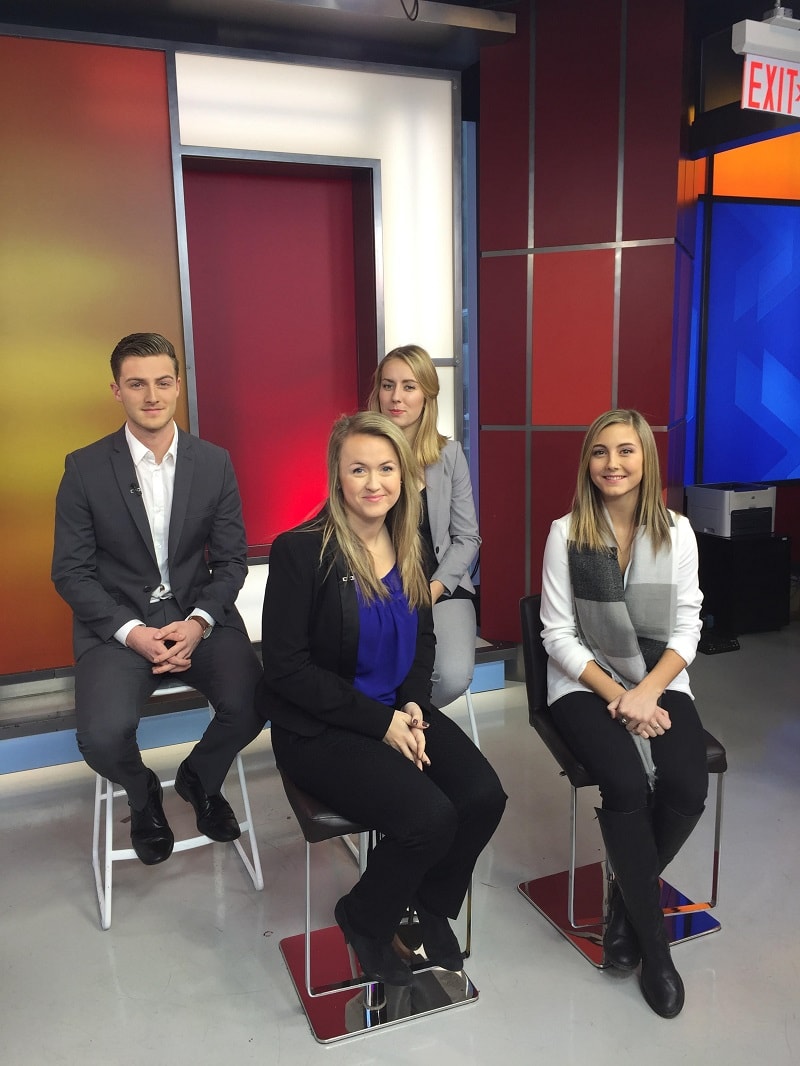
<point x="191" y="973"/>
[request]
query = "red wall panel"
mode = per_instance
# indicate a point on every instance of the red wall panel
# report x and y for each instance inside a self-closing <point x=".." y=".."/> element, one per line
<point x="573" y="322"/>
<point x="652" y="120"/>
<point x="576" y="144"/>
<point x="502" y="517"/>
<point x="504" y="135"/>
<point x="273" y="305"/>
<point x="503" y="336"/>
<point x="554" y="467"/>
<point x="646" y="324"/>
<point x="575" y="132"/>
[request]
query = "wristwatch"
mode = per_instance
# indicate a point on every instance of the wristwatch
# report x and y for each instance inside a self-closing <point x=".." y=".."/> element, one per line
<point x="205" y="625"/>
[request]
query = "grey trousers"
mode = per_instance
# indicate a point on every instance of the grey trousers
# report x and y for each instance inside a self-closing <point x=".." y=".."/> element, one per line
<point x="455" y="627"/>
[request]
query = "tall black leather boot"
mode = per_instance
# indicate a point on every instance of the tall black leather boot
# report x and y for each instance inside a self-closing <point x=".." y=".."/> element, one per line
<point x="671" y="831"/>
<point x="631" y="846"/>
<point x="620" y="943"/>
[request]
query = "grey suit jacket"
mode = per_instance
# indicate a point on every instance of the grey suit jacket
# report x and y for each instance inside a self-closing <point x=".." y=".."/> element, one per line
<point x="104" y="562"/>
<point x="451" y="512"/>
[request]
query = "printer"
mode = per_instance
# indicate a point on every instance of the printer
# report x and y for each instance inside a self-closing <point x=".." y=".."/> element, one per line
<point x="731" y="510"/>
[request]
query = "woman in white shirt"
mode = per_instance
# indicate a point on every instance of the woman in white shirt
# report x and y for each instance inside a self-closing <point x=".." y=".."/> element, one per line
<point x="621" y="613"/>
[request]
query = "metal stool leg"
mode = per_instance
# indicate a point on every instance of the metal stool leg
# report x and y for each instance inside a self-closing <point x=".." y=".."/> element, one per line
<point x="103" y="793"/>
<point x="253" y="867"/>
<point x="472" y="720"/>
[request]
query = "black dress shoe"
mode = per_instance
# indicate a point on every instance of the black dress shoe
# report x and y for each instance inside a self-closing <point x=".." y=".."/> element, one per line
<point x="378" y="961"/>
<point x="439" y="942"/>
<point x="151" y="836"/>
<point x="215" y="819"/>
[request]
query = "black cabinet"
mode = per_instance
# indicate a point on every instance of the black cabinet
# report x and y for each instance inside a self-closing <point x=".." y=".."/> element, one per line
<point x="745" y="581"/>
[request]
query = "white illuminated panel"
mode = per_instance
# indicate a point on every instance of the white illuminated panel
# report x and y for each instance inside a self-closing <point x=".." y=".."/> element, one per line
<point x="406" y="122"/>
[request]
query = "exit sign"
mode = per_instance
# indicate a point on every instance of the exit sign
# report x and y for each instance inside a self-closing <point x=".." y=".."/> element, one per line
<point x="771" y="85"/>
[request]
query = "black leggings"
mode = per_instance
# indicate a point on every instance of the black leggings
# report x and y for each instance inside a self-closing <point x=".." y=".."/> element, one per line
<point x="606" y="750"/>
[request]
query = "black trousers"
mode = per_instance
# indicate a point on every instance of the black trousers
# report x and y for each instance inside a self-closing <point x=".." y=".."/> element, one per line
<point x="112" y="683"/>
<point x="434" y="822"/>
<point x="606" y="750"/>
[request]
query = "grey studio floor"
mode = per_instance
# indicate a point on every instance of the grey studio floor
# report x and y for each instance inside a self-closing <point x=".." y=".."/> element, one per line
<point x="190" y="971"/>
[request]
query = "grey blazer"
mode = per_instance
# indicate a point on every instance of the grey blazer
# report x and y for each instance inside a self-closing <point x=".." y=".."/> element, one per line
<point x="451" y="512"/>
<point x="104" y="562"/>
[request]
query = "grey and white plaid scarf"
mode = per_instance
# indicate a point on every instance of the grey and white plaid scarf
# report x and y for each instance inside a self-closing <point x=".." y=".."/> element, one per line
<point x="625" y="624"/>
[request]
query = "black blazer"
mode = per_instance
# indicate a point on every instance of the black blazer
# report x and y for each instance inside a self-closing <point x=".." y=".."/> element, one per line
<point x="310" y="644"/>
<point x="104" y="562"/>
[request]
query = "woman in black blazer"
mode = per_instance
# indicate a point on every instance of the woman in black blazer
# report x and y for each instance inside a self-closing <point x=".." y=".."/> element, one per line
<point x="348" y="650"/>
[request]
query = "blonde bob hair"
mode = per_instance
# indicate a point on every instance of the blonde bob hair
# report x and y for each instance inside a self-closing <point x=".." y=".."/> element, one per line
<point x="402" y="521"/>
<point x="428" y="441"/>
<point x="589" y="527"/>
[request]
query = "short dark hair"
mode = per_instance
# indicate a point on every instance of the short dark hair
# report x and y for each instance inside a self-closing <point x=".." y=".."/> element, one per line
<point x="142" y="344"/>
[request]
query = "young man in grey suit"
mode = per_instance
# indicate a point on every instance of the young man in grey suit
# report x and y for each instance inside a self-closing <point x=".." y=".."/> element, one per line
<point x="150" y="554"/>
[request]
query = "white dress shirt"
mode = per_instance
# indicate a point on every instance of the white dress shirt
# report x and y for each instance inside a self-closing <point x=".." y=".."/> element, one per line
<point x="156" y="483"/>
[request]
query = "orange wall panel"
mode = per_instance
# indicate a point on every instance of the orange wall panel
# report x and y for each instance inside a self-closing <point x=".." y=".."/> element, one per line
<point x="88" y="254"/>
<point x="769" y="168"/>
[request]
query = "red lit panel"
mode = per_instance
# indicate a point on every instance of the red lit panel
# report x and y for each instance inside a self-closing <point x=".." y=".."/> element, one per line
<point x="272" y="278"/>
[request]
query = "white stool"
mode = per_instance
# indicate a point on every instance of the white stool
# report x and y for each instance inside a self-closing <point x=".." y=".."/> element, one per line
<point x="104" y="792"/>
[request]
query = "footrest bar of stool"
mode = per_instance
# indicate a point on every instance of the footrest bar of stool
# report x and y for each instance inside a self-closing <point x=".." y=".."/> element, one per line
<point x="106" y="793"/>
<point x="353" y="1010"/>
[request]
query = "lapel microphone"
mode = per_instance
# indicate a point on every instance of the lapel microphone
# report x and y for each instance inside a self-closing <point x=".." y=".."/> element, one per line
<point x="135" y="490"/>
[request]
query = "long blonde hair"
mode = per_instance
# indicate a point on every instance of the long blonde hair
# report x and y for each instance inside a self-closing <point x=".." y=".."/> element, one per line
<point x="589" y="527"/>
<point x="402" y="521"/>
<point x="428" y="441"/>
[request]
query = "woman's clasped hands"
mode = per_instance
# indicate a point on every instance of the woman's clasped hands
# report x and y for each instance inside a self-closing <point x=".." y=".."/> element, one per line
<point x="638" y="711"/>
<point x="406" y="733"/>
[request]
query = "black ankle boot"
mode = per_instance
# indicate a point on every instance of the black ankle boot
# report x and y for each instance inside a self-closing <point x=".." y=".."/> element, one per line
<point x="631" y="847"/>
<point x="620" y="944"/>
<point x="378" y="961"/>
<point x="439" y="941"/>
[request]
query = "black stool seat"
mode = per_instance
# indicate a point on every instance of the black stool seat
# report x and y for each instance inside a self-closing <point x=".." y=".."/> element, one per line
<point x="317" y="821"/>
<point x="715" y="755"/>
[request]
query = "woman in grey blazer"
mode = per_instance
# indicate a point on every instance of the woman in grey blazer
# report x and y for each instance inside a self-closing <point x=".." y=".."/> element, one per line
<point x="405" y="389"/>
